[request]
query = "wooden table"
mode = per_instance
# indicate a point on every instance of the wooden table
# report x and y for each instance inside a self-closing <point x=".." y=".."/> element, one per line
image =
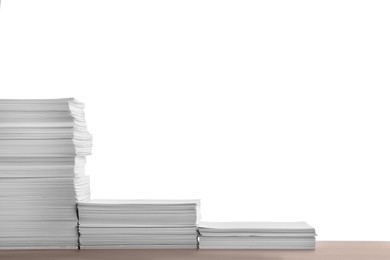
<point x="324" y="250"/>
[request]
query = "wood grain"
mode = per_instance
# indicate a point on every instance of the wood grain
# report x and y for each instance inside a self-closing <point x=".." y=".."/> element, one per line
<point x="324" y="251"/>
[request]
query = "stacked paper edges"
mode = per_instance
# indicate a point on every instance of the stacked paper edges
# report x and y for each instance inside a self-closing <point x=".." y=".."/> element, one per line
<point x="256" y="235"/>
<point x="141" y="224"/>
<point x="43" y="144"/>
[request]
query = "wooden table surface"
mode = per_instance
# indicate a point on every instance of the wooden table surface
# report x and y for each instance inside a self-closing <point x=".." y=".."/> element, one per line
<point x="325" y="250"/>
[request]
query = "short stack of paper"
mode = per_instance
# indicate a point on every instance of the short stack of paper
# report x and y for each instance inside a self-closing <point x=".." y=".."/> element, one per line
<point x="43" y="144"/>
<point x="256" y="235"/>
<point x="139" y="224"/>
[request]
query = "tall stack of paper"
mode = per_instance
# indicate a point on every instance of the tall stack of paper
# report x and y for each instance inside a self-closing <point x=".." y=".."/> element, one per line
<point x="43" y="144"/>
<point x="138" y="224"/>
<point x="256" y="235"/>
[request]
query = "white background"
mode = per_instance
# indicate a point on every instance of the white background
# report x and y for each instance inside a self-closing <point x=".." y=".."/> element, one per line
<point x="266" y="110"/>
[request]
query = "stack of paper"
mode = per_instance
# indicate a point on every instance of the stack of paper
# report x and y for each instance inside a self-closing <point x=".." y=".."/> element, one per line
<point x="256" y="235"/>
<point x="43" y="144"/>
<point x="138" y="224"/>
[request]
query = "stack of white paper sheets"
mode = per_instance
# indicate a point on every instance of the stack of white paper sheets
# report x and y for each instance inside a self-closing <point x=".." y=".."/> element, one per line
<point x="139" y="224"/>
<point x="43" y="144"/>
<point x="256" y="235"/>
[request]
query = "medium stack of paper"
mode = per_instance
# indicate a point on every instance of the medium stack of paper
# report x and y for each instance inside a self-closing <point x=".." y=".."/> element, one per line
<point x="256" y="235"/>
<point x="43" y="144"/>
<point x="139" y="224"/>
